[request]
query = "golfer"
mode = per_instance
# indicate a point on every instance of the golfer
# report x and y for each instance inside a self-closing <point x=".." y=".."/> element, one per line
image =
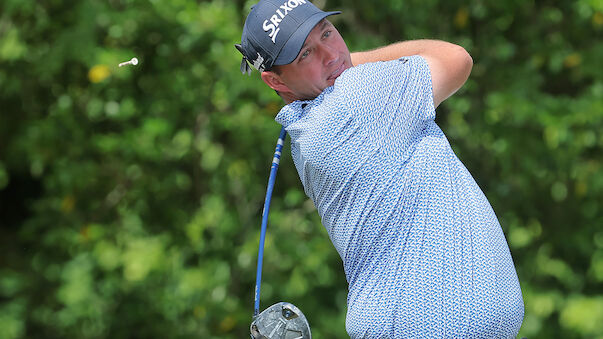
<point x="423" y="252"/>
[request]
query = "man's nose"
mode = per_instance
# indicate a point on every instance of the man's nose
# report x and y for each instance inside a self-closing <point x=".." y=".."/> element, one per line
<point x="329" y="55"/>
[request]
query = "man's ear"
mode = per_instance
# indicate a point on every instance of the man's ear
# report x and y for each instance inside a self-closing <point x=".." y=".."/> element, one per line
<point x="274" y="81"/>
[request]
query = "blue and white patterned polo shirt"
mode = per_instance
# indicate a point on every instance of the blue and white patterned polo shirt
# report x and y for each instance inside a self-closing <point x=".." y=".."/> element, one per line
<point x="423" y="252"/>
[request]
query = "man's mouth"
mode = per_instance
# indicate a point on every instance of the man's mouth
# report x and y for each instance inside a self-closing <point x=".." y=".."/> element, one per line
<point x="337" y="72"/>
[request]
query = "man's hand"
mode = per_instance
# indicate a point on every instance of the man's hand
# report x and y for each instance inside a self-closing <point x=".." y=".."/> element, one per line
<point x="450" y="64"/>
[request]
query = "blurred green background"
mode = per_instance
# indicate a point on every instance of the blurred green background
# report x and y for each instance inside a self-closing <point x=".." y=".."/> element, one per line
<point x="130" y="198"/>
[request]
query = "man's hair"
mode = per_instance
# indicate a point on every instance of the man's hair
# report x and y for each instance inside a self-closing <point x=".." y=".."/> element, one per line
<point x="276" y="69"/>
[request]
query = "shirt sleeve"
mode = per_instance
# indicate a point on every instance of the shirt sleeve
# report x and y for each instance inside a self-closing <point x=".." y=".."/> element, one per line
<point x="392" y="100"/>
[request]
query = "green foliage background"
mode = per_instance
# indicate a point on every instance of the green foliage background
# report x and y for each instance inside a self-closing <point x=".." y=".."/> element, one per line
<point x="130" y="198"/>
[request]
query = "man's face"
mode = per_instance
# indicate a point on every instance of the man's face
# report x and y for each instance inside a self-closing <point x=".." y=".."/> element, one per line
<point x="323" y="57"/>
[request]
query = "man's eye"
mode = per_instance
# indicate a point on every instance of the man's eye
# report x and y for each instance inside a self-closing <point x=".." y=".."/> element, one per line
<point x="326" y="34"/>
<point x="305" y="54"/>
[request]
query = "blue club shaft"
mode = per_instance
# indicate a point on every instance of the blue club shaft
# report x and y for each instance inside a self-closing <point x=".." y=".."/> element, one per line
<point x="275" y="162"/>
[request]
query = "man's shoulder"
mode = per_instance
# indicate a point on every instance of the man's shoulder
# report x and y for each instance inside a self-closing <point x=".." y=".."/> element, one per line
<point x="371" y="71"/>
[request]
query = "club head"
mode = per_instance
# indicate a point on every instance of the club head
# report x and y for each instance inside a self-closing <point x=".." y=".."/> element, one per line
<point x="280" y="321"/>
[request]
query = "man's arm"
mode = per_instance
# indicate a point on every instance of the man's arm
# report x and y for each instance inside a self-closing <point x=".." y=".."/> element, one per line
<point x="449" y="64"/>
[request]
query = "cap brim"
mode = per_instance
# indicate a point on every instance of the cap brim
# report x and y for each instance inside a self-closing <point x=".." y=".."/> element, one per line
<point x="296" y="41"/>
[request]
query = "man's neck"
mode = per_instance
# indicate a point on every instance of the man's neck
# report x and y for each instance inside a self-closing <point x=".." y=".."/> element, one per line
<point x="287" y="97"/>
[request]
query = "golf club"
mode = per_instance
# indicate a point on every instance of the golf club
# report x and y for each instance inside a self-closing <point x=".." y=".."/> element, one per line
<point x="282" y="320"/>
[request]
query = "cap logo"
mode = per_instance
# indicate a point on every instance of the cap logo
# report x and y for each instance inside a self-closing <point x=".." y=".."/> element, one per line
<point x="271" y="26"/>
